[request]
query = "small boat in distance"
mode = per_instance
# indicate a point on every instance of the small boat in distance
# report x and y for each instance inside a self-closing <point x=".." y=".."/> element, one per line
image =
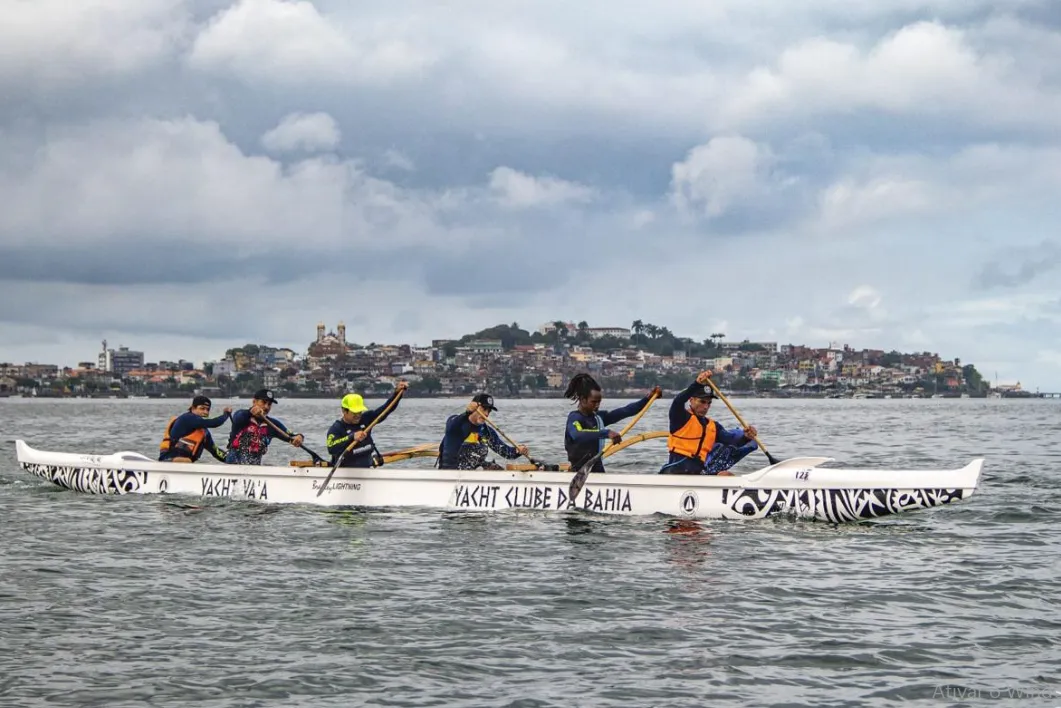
<point x="799" y="487"/>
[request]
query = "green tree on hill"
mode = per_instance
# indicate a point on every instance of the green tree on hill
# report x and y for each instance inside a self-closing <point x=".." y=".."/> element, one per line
<point x="510" y="335"/>
<point x="892" y="359"/>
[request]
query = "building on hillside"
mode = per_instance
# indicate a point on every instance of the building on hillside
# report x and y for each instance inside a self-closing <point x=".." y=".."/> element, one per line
<point x="482" y="346"/>
<point x="120" y="361"/>
<point x="618" y="332"/>
<point x="549" y="327"/>
<point x="330" y="345"/>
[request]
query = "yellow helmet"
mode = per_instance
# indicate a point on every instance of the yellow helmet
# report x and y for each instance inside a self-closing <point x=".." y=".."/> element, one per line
<point x="354" y="403"/>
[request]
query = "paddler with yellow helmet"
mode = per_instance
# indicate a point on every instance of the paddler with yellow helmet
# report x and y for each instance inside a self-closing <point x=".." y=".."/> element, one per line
<point x="357" y="417"/>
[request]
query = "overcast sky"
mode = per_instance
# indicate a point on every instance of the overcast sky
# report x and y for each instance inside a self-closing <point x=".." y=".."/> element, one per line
<point x="183" y="176"/>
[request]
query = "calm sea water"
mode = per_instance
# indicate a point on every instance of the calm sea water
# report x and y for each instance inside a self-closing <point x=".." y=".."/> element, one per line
<point x="128" y="601"/>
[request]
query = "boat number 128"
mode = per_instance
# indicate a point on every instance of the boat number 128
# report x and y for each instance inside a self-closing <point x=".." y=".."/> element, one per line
<point x="802" y="474"/>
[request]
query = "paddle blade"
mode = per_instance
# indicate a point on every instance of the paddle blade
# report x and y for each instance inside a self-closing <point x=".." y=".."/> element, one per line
<point x="329" y="477"/>
<point x="577" y="482"/>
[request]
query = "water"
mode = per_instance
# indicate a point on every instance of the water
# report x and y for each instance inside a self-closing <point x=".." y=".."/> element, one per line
<point x="128" y="601"/>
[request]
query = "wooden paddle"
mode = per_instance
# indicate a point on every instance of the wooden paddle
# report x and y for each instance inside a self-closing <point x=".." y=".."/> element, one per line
<point x="580" y="477"/>
<point x="288" y="437"/>
<point x="537" y="463"/>
<point x="627" y="442"/>
<point x="773" y="460"/>
<point x="424" y="450"/>
<point x="366" y="431"/>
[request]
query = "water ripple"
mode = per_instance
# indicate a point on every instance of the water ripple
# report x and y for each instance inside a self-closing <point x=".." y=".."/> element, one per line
<point x="136" y="601"/>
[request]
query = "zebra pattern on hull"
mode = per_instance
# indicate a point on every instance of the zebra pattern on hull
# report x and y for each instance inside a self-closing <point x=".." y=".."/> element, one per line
<point x="835" y="505"/>
<point x="91" y="480"/>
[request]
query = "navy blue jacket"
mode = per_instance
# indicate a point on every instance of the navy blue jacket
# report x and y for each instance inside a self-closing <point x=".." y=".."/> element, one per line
<point x="465" y="446"/>
<point x="585" y="436"/>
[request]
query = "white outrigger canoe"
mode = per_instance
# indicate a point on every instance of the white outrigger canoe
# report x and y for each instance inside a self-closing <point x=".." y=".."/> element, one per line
<point x="798" y="487"/>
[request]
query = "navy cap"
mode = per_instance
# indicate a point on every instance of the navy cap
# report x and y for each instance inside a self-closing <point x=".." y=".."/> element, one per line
<point x="265" y="394"/>
<point x="485" y="400"/>
<point x="702" y="391"/>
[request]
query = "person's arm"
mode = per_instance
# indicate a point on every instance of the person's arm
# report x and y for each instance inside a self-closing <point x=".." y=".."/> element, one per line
<point x="370" y="416"/>
<point x="279" y="424"/>
<point x="335" y="443"/>
<point x="678" y="414"/>
<point x="495" y="443"/>
<point x="212" y="447"/>
<point x="200" y="423"/>
<point x="579" y="434"/>
<point x="734" y="437"/>
<point x="614" y="416"/>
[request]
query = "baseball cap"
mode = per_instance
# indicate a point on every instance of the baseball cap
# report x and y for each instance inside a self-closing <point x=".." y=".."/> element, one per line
<point x="702" y="391"/>
<point x="485" y="400"/>
<point x="200" y="401"/>
<point x="265" y="394"/>
<point x="354" y="403"/>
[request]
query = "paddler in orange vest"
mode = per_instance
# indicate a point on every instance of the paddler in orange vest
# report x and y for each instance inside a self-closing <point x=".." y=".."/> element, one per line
<point x="187" y="435"/>
<point x="693" y="434"/>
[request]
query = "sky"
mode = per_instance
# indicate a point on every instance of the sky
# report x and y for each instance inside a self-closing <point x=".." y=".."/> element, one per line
<point x="185" y="176"/>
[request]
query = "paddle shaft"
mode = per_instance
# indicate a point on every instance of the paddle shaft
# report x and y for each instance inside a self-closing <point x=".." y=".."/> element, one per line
<point x="509" y="440"/>
<point x="629" y="426"/>
<point x="773" y="460"/>
<point x="579" y="479"/>
<point x="627" y="442"/>
<point x="366" y="431"/>
<point x="290" y="436"/>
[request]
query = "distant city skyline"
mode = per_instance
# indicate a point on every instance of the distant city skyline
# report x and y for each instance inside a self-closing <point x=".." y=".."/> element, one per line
<point x="133" y="358"/>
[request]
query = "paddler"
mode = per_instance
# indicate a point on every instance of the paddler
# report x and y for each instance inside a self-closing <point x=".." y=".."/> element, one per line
<point x="586" y="432"/>
<point x="468" y="439"/>
<point x="253" y="429"/>
<point x="188" y="434"/>
<point x="693" y="435"/>
<point x="357" y="417"/>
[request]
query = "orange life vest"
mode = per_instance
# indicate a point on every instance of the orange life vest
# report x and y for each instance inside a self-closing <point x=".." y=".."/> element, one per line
<point x="188" y="446"/>
<point x="694" y="439"/>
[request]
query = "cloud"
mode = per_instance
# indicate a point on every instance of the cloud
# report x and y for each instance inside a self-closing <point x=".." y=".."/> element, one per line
<point x="310" y="132"/>
<point x="924" y="68"/>
<point x="399" y="161"/>
<point x="727" y="170"/>
<point x="519" y="190"/>
<point x="1016" y="267"/>
<point x="831" y="171"/>
<point x="52" y="44"/>
<point x="864" y="297"/>
<point x="290" y="42"/>
<point x="181" y="184"/>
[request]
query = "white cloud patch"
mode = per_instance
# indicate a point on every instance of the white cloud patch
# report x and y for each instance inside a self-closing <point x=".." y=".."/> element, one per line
<point x="520" y="190"/>
<point x="864" y="297"/>
<point x="183" y="182"/>
<point x="309" y="132"/>
<point x="290" y="42"/>
<point x="49" y="44"/>
<point x="923" y="68"/>
<point x="726" y="171"/>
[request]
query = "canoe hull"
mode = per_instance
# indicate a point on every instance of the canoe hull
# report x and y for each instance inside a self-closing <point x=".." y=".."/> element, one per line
<point x="798" y="487"/>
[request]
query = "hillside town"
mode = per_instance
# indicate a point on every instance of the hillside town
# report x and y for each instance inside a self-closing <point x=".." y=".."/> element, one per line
<point x="509" y="361"/>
